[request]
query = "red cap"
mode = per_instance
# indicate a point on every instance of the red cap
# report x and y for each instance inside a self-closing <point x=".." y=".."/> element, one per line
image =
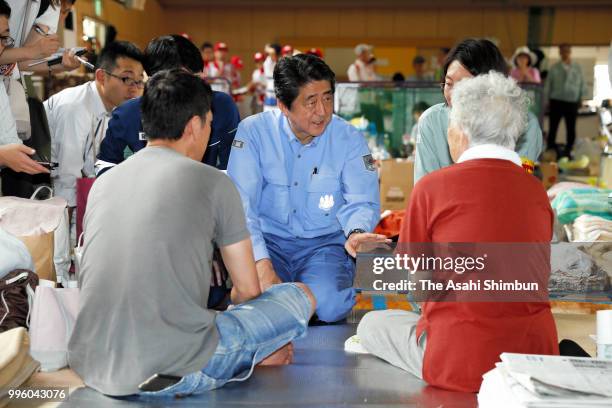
<point x="237" y="62"/>
<point x="259" y="57"/>
<point x="315" y="51"/>
<point x="287" y="50"/>
<point x="220" y="46"/>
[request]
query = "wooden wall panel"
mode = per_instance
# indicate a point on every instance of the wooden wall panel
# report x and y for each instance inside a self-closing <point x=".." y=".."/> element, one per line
<point x="352" y="23"/>
<point x="457" y="23"/>
<point x="132" y="25"/>
<point x="196" y="24"/>
<point x="234" y="28"/>
<point x="415" y="23"/>
<point x="317" y="22"/>
<point x="564" y="25"/>
<point x="509" y="27"/>
<point x="270" y="24"/>
<point x="379" y="23"/>
<point x="246" y="29"/>
<point x="592" y="26"/>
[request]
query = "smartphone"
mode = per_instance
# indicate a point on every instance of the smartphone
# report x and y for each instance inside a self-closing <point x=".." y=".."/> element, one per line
<point x="44" y="161"/>
<point x="49" y="165"/>
<point x="158" y="382"/>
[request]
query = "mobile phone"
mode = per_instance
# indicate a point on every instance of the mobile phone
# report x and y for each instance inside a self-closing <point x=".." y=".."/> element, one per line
<point x="158" y="382"/>
<point x="49" y="165"/>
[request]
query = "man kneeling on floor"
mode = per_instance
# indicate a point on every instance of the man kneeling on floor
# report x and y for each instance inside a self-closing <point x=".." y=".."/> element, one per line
<point x="143" y="325"/>
<point x="486" y="197"/>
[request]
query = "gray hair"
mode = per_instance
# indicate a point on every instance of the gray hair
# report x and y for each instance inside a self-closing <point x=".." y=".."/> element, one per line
<point x="490" y="109"/>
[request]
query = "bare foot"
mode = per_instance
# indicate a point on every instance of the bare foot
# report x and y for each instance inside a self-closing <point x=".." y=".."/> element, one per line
<point x="282" y="356"/>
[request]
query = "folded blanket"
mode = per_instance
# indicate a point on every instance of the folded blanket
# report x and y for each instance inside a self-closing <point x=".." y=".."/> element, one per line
<point x="573" y="203"/>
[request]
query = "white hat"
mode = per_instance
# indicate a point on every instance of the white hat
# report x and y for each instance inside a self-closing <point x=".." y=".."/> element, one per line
<point x="361" y="48"/>
<point x="524" y="50"/>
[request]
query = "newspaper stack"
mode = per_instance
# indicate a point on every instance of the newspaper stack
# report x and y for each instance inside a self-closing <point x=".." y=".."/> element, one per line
<point x="527" y="380"/>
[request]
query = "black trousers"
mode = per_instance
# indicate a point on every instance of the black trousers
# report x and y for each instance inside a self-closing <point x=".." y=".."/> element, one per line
<point x="567" y="111"/>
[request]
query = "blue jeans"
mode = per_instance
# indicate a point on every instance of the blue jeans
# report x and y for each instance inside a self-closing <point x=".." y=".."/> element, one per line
<point x="248" y="333"/>
<point x="323" y="265"/>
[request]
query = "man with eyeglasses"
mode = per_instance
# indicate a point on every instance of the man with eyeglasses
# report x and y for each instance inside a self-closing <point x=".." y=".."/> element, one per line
<point x="309" y="187"/>
<point x="78" y="116"/>
<point x="125" y="127"/>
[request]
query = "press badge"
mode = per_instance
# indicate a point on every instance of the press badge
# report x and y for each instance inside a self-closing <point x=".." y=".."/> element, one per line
<point x="239" y="144"/>
<point x="369" y="162"/>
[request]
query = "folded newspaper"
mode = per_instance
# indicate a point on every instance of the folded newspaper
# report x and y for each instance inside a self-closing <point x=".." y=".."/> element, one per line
<point x="527" y="380"/>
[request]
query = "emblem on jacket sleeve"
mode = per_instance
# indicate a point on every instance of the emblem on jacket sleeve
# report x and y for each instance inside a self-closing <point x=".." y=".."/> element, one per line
<point x="369" y="163"/>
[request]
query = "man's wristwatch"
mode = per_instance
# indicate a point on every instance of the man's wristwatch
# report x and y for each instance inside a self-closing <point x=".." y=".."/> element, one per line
<point x="355" y="231"/>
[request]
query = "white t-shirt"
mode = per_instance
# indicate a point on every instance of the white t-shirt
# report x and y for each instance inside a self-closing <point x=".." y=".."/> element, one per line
<point x="359" y="71"/>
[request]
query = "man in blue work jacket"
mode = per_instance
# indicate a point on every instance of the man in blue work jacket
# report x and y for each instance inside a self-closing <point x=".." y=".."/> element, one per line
<point x="125" y="127"/>
<point x="308" y="186"/>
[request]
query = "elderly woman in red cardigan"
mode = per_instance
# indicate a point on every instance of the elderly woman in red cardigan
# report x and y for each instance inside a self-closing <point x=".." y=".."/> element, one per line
<point x="485" y="197"/>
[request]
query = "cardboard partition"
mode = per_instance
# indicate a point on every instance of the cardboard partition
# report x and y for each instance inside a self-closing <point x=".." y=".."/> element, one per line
<point x="396" y="182"/>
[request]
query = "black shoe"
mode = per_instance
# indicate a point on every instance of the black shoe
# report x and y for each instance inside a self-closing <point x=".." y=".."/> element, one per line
<point x="567" y="153"/>
<point x="315" y="321"/>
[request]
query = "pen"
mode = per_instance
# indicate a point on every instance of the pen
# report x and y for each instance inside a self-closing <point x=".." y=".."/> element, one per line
<point x="85" y="63"/>
<point x="40" y="30"/>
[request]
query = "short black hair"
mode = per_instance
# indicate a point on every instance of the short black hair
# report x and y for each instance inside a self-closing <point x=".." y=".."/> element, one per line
<point x="420" y="107"/>
<point x="171" y="98"/>
<point x="419" y="59"/>
<point x="477" y="56"/>
<point x="398" y="77"/>
<point x="277" y="48"/>
<point x="205" y="44"/>
<point x="172" y="51"/>
<point x="5" y="9"/>
<point x="118" y="49"/>
<point x="291" y="73"/>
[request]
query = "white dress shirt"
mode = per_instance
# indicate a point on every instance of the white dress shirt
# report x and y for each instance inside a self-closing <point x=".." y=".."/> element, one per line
<point x="74" y="115"/>
<point x="8" y="129"/>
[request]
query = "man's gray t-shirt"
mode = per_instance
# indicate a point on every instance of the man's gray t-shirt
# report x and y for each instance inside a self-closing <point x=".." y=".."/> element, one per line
<point x="146" y="271"/>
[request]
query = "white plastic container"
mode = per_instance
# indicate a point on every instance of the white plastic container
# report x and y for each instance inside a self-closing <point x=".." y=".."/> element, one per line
<point x="604" y="334"/>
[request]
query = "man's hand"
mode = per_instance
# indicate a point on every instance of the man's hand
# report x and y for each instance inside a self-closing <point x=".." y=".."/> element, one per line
<point x="266" y="274"/>
<point x="44" y="47"/>
<point x="356" y="239"/>
<point x="282" y="356"/>
<point x="15" y="156"/>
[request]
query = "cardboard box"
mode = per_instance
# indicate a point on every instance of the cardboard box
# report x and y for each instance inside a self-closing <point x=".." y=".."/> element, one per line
<point x="550" y="174"/>
<point x="396" y="182"/>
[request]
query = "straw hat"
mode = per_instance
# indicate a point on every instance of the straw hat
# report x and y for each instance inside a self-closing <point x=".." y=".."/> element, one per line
<point x="525" y="51"/>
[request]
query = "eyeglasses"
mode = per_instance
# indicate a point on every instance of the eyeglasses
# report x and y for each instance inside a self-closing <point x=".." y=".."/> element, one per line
<point x="128" y="81"/>
<point x="7" y="40"/>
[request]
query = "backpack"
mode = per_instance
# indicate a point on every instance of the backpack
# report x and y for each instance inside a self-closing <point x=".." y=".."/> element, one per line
<point x="16" y="298"/>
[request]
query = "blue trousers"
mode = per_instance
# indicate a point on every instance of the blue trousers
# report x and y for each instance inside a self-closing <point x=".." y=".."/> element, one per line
<point x="248" y="333"/>
<point x="321" y="263"/>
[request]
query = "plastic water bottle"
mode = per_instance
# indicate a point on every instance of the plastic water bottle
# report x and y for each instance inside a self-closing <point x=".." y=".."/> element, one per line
<point x="604" y="334"/>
